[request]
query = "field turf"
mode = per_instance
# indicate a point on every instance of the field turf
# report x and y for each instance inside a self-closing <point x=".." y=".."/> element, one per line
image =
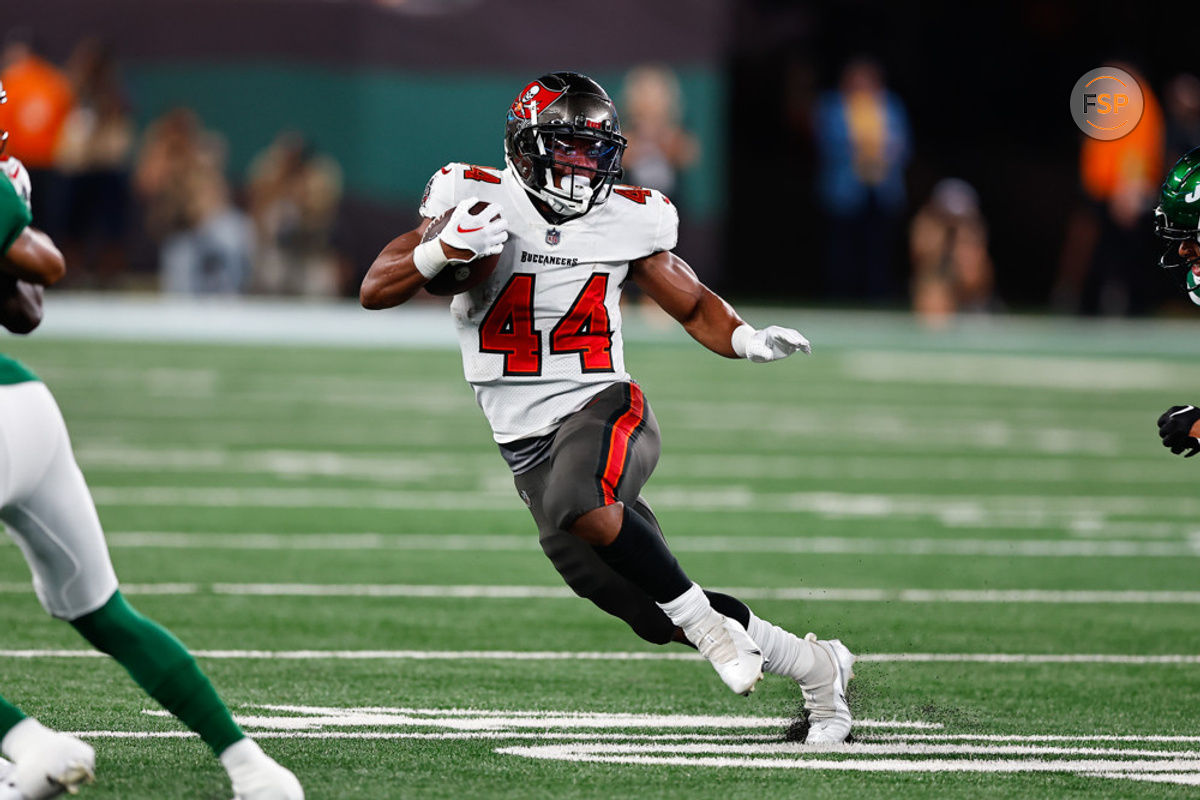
<point x="985" y="515"/>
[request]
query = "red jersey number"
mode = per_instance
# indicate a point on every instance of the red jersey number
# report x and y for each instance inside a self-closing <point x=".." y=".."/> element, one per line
<point x="585" y="328"/>
<point x="507" y="328"/>
<point x="474" y="173"/>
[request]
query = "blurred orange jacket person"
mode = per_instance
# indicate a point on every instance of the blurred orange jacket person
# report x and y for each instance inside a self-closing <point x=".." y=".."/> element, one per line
<point x="40" y="98"/>
<point x="1134" y="160"/>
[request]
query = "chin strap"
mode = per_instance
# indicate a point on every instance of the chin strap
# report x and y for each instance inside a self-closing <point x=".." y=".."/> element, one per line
<point x="576" y="186"/>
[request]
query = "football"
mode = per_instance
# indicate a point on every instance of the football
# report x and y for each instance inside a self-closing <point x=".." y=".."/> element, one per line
<point x="457" y="278"/>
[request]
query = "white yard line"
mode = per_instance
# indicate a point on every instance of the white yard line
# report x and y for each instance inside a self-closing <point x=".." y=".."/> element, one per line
<point x="722" y="741"/>
<point x="601" y="754"/>
<point x="322" y="718"/>
<point x="1181" y="778"/>
<point x="858" y="749"/>
<point x="830" y="545"/>
<point x="1036" y="737"/>
<point x="398" y="467"/>
<point x="558" y="655"/>
<point x="1028" y="658"/>
<point x="517" y="592"/>
<point x="964" y="508"/>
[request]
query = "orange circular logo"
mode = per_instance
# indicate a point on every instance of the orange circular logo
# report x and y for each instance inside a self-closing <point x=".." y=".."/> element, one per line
<point x="1106" y="103"/>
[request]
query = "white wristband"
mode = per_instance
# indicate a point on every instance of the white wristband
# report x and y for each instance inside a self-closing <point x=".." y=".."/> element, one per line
<point x="429" y="258"/>
<point x="740" y="338"/>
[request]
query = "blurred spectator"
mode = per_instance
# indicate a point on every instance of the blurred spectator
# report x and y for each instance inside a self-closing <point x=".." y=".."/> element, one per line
<point x="1183" y="115"/>
<point x="863" y="145"/>
<point x="205" y="242"/>
<point x="659" y="148"/>
<point x="952" y="271"/>
<point x="294" y="195"/>
<point x="93" y="153"/>
<point x="1108" y="239"/>
<point x="39" y="100"/>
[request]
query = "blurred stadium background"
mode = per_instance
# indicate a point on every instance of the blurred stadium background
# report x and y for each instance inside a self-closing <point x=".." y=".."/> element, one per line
<point x="323" y="119"/>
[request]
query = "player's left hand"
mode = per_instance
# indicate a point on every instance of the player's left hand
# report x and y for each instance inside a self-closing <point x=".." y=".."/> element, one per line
<point x="1175" y="430"/>
<point x="15" y="171"/>
<point x="769" y="344"/>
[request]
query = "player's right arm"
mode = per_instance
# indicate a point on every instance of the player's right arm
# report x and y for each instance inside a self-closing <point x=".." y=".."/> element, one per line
<point x="28" y="258"/>
<point x="393" y="278"/>
<point x="407" y="263"/>
<point x="25" y="252"/>
<point x="33" y="258"/>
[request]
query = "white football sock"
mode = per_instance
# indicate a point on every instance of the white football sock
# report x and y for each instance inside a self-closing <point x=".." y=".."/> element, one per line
<point x="241" y="753"/>
<point x="28" y="732"/>
<point x="689" y="609"/>
<point x="788" y="655"/>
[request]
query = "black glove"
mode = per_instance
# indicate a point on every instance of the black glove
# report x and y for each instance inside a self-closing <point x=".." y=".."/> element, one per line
<point x="1175" y="429"/>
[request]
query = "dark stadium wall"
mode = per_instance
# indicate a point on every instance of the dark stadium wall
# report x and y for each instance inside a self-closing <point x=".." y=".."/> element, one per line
<point x="389" y="129"/>
<point x="395" y="93"/>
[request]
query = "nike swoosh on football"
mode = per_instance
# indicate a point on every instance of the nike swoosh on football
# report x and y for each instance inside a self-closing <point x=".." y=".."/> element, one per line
<point x="461" y="229"/>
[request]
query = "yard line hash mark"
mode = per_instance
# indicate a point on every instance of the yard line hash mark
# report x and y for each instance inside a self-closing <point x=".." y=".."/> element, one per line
<point x="725" y="741"/>
<point x="566" y="655"/>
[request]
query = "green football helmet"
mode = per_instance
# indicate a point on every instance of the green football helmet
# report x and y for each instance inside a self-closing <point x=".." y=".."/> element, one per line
<point x="1177" y="219"/>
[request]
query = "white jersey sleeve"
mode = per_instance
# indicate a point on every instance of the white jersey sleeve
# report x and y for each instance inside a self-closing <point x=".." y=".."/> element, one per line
<point x="441" y="191"/>
<point x="649" y="221"/>
<point x="666" y="235"/>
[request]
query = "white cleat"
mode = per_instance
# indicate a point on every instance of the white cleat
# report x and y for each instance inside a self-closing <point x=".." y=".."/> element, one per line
<point x="49" y="765"/>
<point x="828" y="712"/>
<point x="257" y="776"/>
<point x="731" y="651"/>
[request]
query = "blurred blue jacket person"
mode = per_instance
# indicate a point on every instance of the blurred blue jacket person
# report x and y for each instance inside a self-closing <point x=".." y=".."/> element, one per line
<point x="863" y="142"/>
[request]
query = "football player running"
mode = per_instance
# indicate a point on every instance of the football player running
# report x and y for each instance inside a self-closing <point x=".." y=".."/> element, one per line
<point x="1177" y="220"/>
<point x="49" y="512"/>
<point x="541" y="345"/>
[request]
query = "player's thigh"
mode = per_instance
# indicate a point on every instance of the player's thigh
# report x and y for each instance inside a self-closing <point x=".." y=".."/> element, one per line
<point x="602" y="454"/>
<point x="48" y="508"/>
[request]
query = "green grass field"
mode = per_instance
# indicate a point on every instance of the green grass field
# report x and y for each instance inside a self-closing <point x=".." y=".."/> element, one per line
<point x="985" y="516"/>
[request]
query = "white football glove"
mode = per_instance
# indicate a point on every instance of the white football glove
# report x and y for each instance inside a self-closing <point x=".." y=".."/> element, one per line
<point x="770" y="344"/>
<point x="15" y="171"/>
<point x="479" y="233"/>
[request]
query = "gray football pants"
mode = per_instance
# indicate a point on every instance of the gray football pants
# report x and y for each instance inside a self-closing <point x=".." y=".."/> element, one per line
<point x="601" y="454"/>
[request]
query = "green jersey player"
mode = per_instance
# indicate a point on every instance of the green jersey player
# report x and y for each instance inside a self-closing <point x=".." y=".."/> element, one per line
<point x="1177" y="220"/>
<point x="49" y="512"/>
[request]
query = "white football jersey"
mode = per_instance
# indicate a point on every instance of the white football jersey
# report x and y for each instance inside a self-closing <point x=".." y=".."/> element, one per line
<point x="542" y="335"/>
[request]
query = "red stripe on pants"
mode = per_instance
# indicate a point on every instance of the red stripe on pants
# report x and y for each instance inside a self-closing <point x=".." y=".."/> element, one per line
<point x="618" y="443"/>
